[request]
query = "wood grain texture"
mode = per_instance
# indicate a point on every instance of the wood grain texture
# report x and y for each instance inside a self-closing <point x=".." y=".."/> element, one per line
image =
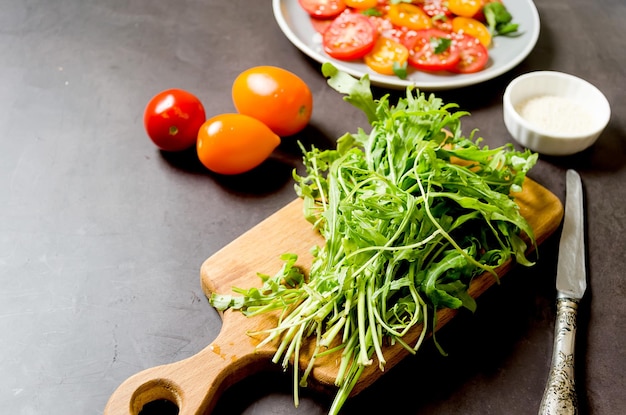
<point x="195" y="384"/>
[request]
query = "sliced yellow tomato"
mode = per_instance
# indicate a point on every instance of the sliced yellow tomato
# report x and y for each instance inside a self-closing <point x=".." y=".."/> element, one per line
<point x="472" y="27"/>
<point x="361" y="4"/>
<point x="409" y="16"/>
<point x="385" y="54"/>
<point x="465" y="8"/>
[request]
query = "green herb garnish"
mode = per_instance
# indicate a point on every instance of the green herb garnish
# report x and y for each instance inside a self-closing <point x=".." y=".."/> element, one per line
<point x="499" y="20"/>
<point x="440" y="44"/>
<point x="410" y="212"/>
<point x="372" y="12"/>
<point x="400" y="69"/>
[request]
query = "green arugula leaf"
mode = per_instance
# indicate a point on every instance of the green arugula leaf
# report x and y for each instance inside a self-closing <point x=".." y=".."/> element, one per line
<point x="358" y="92"/>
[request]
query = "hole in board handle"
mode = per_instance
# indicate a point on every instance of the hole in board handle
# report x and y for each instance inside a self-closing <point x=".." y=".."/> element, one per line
<point x="156" y="397"/>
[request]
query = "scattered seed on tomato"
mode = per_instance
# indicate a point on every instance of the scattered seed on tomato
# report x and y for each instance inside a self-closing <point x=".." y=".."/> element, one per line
<point x="385" y="55"/>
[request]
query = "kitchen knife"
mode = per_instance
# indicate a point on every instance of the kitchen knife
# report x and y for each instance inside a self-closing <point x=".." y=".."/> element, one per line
<point x="559" y="397"/>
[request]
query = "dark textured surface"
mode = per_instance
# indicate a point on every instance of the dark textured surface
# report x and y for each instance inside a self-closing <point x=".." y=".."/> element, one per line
<point x="102" y="236"/>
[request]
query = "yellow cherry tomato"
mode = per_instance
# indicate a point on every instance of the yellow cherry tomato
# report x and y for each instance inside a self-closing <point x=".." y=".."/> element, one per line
<point x="472" y="27"/>
<point x="361" y="4"/>
<point x="465" y="8"/>
<point x="234" y="143"/>
<point x="386" y="52"/>
<point x="409" y="16"/>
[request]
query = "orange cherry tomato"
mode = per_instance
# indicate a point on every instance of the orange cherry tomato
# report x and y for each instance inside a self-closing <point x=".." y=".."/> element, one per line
<point x="466" y="8"/>
<point x="275" y="96"/>
<point x="234" y="143"/>
<point x="385" y="54"/>
<point x="472" y="27"/>
<point x="409" y="16"/>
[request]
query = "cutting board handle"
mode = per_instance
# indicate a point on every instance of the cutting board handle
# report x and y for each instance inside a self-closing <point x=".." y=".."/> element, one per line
<point x="194" y="384"/>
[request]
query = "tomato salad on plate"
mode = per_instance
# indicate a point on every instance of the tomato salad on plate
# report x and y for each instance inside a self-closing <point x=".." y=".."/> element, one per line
<point x="394" y="36"/>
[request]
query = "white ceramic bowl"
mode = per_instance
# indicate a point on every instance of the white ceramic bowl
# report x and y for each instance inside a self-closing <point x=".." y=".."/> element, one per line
<point x="554" y="113"/>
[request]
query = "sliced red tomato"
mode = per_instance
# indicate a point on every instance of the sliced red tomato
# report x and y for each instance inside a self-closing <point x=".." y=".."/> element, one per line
<point x="432" y="50"/>
<point x="320" y="25"/>
<point x="323" y="9"/>
<point x="385" y="54"/>
<point x="349" y="36"/>
<point x="387" y="29"/>
<point x="473" y="55"/>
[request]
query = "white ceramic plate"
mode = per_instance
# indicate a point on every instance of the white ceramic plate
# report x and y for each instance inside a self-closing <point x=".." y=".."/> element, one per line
<point x="504" y="54"/>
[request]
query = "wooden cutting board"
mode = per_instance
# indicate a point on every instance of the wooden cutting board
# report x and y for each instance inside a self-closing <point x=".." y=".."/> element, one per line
<point x="196" y="383"/>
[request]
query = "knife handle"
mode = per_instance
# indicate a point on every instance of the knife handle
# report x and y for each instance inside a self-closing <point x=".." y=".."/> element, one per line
<point x="559" y="397"/>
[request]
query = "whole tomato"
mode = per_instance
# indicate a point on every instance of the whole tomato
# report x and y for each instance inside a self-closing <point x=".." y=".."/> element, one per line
<point x="172" y="119"/>
<point x="275" y="96"/>
<point x="234" y="143"/>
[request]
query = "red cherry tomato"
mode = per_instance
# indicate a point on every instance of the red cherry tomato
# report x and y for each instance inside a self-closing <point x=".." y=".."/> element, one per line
<point x="474" y="55"/>
<point x="172" y="119"/>
<point x="432" y="50"/>
<point x="349" y="36"/>
<point x="234" y="143"/>
<point x="323" y="9"/>
<point x="275" y="96"/>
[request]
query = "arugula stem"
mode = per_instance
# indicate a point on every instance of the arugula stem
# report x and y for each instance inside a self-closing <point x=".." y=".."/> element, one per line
<point x="361" y="324"/>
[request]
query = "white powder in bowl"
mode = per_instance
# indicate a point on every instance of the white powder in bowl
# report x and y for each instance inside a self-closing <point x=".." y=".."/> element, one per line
<point x="556" y="114"/>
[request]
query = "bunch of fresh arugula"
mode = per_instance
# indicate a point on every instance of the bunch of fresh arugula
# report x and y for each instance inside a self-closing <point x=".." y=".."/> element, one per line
<point x="410" y="213"/>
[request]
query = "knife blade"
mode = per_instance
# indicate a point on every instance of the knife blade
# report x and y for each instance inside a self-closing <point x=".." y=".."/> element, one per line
<point x="560" y="396"/>
<point x="571" y="279"/>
